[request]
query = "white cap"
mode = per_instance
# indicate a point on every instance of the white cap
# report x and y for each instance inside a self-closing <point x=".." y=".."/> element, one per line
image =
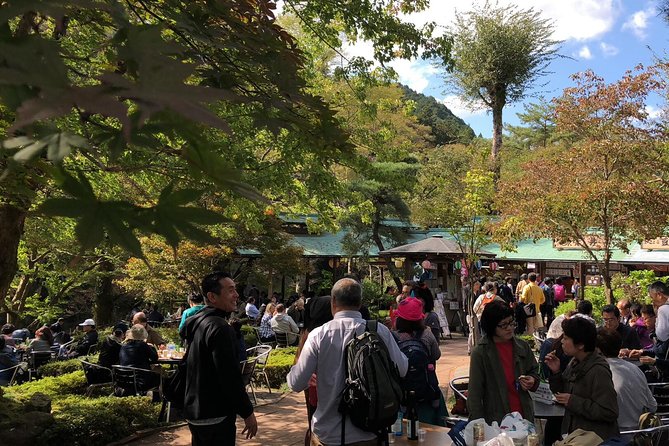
<point x="90" y="322"/>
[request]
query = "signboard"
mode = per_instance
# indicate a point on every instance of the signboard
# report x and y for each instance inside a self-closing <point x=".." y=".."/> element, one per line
<point x="453" y="305"/>
<point x="660" y="243"/>
<point x="593" y="280"/>
<point x="555" y="272"/>
<point x="563" y="265"/>
<point x="593" y="241"/>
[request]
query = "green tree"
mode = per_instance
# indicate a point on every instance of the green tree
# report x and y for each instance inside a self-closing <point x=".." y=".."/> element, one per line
<point x="455" y="194"/>
<point x="537" y="129"/>
<point x="606" y="189"/>
<point x="498" y="53"/>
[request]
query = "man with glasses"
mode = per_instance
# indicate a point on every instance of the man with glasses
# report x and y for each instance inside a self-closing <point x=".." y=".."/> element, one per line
<point x="611" y="319"/>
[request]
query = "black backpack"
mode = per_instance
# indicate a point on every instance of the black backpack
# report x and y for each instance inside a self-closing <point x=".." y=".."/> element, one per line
<point x="419" y="377"/>
<point x="372" y="392"/>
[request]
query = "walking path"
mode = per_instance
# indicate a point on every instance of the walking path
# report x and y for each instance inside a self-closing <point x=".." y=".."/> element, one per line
<point x="282" y="420"/>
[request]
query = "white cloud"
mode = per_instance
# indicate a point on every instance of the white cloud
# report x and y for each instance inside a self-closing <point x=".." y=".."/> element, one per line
<point x="638" y="22"/>
<point x="608" y="49"/>
<point x="584" y="53"/>
<point x="461" y="108"/>
<point x="414" y="73"/>
<point x="654" y="112"/>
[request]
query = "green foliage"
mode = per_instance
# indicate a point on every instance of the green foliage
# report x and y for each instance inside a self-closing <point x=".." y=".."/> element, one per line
<point x="634" y="286"/>
<point x="373" y="296"/>
<point x="169" y="334"/>
<point x="82" y="421"/>
<point x="249" y="334"/>
<point x="55" y="387"/>
<point x="565" y="307"/>
<point x="58" y="368"/>
<point x="279" y="364"/>
<point x="597" y="296"/>
<point x="445" y="126"/>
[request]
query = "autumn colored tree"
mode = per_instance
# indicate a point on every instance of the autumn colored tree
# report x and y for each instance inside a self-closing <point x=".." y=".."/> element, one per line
<point x="497" y="54"/>
<point x="608" y="187"/>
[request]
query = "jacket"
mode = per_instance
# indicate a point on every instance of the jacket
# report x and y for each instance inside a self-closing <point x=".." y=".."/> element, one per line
<point x="283" y="322"/>
<point x="109" y="352"/>
<point x="487" y="395"/>
<point x="214" y="386"/>
<point x="593" y="405"/>
<point x="138" y="354"/>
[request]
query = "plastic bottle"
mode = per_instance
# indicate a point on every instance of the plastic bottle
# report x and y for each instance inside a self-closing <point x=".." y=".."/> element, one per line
<point x="397" y="426"/>
<point x="171" y="349"/>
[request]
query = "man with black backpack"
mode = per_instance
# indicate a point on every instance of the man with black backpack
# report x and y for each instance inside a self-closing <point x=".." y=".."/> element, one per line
<point x="348" y="354"/>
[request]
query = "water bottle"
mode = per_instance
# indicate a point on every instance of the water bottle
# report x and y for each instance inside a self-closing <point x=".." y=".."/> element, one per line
<point x="397" y="426"/>
<point x="412" y="415"/>
<point x="171" y="349"/>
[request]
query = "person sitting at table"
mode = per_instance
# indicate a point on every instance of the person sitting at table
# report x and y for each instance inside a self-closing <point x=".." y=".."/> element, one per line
<point x="196" y="302"/>
<point x="251" y="310"/>
<point x="110" y="348"/>
<point x="645" y="326"/>
<point x="43" y="340"/>
<point x="634" y="396"/>
<point x="266" y="332"/>
<point x="296" y="311"/>
<point x="155" y="317"/>
<point x="153" y="336"/>
<point x="22" y="334"/>
<point x="89" y="340"/>
<point x="502" y="370"/>
<point x="7" y="331"/>
<point x="281" y="322"/>
<point x="585" y="388"/>
<point x="7" y="359"/>
<point x="60" y="336"/>
<point x="135" y="352"/>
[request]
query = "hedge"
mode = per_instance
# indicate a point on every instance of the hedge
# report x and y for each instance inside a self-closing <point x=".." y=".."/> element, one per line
<point x="83" y="421"/>
<point x="279" y="364"/>
<point x="57" y="368"/>
<point x="55" y="387"/>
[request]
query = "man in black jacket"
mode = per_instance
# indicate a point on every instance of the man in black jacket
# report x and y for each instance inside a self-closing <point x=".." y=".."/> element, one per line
<point x="215" y="393"/>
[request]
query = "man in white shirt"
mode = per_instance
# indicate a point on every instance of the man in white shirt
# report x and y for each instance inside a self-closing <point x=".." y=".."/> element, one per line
<point x="323" y="354"/>
<point x="659" y="293"/>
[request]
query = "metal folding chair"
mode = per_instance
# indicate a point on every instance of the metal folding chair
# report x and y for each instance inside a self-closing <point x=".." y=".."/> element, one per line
<point x="35" y="361"/>
<point x="261" y="354"/>
<point x="659" y="435"/>
<point x="133" y="381"/>
<point x="97" y="376"/>
<point x="281" y="339"/>
<point x="12" y="371"/>
<point x="248" y="368"/>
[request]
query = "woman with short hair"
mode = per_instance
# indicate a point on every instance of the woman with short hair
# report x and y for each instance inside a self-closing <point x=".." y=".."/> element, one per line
<point x="491" y="394"/>
<point x="585" y="388"/>
<point x="43" y="340"/>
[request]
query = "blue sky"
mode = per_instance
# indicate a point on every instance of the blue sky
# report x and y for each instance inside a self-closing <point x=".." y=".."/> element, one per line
<point x="607" y="36"/>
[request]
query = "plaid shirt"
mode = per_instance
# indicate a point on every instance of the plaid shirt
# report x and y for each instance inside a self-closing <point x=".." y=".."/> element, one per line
<point x="266" y="326"/>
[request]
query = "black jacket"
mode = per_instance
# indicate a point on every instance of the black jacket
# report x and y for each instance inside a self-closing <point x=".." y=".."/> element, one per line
<point x="109" y="352"/>
<point x="90" y="339"/>
<point x="138" y="354"/>
<point x="214" y="386"/>
<point x="630" y="337"/>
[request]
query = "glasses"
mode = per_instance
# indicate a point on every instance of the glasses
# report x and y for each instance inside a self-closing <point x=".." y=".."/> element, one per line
<point x="609" y="319"/>
<point x="505" y="325"/>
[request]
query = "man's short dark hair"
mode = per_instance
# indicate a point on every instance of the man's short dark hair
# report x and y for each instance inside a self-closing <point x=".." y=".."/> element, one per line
<point x="548" y="280"/>
<point x="611" y="309"/>
<point x="280" y="308"/>
<point x="581" y="331"/>
<point x="626" y="303"/>
<point x="251" y="300"/>
<point x="584" y="307"/>
<point x="347" y="293"/>
<point x="609" y="342"/>
<point x="523" y="276"/>
<point x="493" y="313"/>
<point x="532" y="277"/>
<point x="196" y="298"/>
<point x="659" y="287"/>
<point x="212" y="282"/>
<point x="8" y="329"/>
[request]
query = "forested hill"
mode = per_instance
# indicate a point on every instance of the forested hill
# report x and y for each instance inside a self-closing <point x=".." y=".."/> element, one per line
<point x="446" y="127"/>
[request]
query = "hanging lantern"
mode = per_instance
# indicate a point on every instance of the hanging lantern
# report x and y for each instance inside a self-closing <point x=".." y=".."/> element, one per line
<point x="478" y="265"/>
<point x="458" y="264"/>
<point x="331" y="263"/>
<point x="494" y="266"/>
<point x="426" y="264"/>
<point x="399" y="263"/>
<point x="464" y="272"/>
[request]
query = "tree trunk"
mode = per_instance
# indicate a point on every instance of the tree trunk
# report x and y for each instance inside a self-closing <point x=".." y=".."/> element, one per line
<point x="606" y="278"/>
<point x="12" y="219"/>
<point x="104" y="301"/>
<point x="497" y="127"/>
<point x="379" y="245"/>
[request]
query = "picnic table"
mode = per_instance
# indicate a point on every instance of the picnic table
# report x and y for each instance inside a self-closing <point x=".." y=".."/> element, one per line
<point x="434" y="436"/>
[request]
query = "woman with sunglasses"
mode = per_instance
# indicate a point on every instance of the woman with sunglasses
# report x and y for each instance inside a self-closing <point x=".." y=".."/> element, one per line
<point x="491" y="394"/>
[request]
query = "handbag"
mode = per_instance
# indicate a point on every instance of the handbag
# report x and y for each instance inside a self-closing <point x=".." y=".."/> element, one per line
<point x="530" y="310"/>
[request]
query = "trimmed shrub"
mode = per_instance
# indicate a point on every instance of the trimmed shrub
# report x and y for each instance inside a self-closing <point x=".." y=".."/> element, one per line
<point x="57" y="368"/>
<point x="169" y="334"/>
<point x="279" y="364"/>
<point x="55" y="387"/>
<point x="98" y="421"/>
<point x="249" y="334"/>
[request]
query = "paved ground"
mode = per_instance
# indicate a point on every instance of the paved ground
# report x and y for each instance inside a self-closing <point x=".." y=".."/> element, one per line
<point x="282" y="420"/>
